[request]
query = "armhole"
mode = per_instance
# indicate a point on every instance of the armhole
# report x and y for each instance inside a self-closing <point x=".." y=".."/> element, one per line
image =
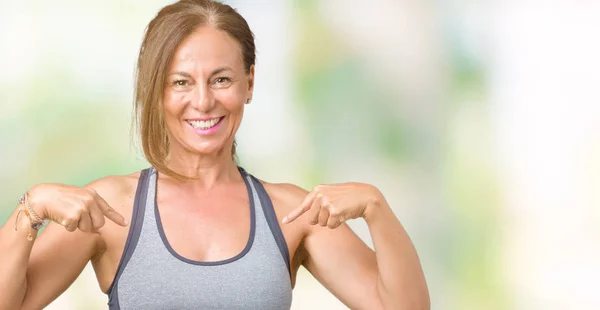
<point x="269" y="211"/>
<point x="135" y="229"/>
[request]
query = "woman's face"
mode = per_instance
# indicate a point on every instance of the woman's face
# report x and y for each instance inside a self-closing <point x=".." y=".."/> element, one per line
<point x="205" y="92"/>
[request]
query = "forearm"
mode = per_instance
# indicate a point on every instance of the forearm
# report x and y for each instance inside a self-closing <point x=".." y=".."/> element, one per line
<point x="401" y="283"/>
<point x="15" y="250"/>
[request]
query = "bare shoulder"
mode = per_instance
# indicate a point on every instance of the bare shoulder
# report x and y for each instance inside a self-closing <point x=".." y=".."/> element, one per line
<point x="285" y="196"/>
<point x="119" y="193"/>
<point x="116" y="187"/>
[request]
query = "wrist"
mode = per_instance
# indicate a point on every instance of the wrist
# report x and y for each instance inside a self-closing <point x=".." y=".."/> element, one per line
<point x="31" y="216"/>
<point x="35" y="199"/>
<point x="22" y="221"/>
<point x="376" y="206"/>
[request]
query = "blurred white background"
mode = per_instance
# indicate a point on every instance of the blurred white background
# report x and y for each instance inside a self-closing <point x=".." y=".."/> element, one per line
<point x="479" y="121"/>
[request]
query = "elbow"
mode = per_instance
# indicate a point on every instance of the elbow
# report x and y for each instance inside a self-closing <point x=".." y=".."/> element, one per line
<point x="408" y="300"/>
<point x="423" y="301"/>
<point x="419" y="301"/>
<point x="417" y="304"/>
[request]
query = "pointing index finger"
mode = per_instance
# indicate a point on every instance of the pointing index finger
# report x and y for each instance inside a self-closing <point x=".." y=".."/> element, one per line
<point x="110" y="213"/>
<point x="304" y="206"/>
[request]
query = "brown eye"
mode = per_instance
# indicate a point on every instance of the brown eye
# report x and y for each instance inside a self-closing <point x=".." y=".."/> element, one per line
<point x="222" y="80"/>
<point x="180" y="83"/>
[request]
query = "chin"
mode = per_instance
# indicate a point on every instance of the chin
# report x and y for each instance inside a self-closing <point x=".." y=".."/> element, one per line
<point x="206" y="148"/>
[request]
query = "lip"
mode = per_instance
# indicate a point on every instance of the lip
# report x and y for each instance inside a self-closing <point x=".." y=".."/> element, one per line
<point x="202" y="118"/>
<point x="208" y="131"/>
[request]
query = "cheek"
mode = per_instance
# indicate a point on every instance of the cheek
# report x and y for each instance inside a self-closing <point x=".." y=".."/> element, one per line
<point x="173" y="103"/>
<point x="232" y="99"/>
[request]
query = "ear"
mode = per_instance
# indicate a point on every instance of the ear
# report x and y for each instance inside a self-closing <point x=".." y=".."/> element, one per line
<point x="250" y="82"/>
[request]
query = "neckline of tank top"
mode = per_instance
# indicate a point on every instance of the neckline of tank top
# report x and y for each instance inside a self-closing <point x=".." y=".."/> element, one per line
<point x="251" y="236"/>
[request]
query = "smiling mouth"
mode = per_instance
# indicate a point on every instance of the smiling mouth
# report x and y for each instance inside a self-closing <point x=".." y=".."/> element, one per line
<point x="205" y="124"/>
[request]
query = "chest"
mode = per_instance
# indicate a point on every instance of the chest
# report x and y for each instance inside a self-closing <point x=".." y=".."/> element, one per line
<point x="158" y="277"/>
<point x="206" y="230"/>
<point x="220" y="229"/>
<point x="250" y="283"/>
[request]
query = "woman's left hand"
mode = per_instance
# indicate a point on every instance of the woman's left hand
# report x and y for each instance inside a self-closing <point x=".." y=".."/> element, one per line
<point x="332" y="205"/>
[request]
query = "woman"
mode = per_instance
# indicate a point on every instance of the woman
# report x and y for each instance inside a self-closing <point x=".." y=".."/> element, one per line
<point x="195" y="231"/>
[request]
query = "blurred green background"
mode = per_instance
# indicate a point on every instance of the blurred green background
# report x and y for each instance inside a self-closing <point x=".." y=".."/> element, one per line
<point x="480" y="123"/>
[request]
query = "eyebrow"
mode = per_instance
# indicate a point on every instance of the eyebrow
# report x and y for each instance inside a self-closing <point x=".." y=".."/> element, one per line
<point x="216" y="71"/>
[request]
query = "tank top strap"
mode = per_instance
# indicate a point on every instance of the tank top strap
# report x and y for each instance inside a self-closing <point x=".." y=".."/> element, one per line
<point x="135" y="229"/>
<point x="270" y="217"/>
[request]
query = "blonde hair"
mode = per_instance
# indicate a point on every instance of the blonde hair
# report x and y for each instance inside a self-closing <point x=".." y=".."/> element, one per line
<point x="164" y="33"/>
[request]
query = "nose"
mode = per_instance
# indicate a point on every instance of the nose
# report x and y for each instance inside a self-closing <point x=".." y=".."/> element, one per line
<point x="203" y="100"/>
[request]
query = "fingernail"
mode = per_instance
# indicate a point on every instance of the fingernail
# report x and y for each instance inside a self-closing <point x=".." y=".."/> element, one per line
<point x="284" y="220"/>
<point x="126" y="222"/>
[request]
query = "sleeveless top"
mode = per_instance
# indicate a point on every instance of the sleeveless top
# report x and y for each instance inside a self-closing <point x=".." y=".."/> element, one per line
<point x="151" y="275"/>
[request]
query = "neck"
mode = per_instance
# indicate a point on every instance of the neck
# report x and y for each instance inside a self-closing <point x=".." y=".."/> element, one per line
<point x="204" y="170"/>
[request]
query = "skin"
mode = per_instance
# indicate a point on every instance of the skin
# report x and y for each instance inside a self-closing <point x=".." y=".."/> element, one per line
<point x="207" y="80"/>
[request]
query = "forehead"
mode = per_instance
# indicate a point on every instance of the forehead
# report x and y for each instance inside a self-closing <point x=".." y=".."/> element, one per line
<point x="207" y="47"/>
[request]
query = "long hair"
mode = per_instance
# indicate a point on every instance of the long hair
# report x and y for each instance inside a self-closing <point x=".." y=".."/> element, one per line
<point x="163" y="35"/>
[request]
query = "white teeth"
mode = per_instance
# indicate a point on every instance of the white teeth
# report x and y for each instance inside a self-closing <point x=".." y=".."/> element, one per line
<point x="204" y="124"/>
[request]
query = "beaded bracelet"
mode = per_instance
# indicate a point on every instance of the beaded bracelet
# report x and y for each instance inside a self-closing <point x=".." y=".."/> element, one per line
<point x="35" y="224"/>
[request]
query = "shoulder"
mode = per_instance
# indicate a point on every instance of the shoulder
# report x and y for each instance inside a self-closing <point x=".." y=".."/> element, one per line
<point x="285" y="195"/>
<point x="288" y="194"/>
<point x="119" y="193"/>
<point x="115" y="186"/>
<point x="285" y="198"/>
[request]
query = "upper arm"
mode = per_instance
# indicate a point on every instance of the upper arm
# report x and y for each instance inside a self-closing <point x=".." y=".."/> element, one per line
<point x="337" y="258"/>
<point x="344" y="264"/>
<point x="58" y="256"/>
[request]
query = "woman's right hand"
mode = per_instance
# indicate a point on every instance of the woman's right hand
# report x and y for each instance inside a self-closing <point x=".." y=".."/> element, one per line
<point x="73" y="207"/>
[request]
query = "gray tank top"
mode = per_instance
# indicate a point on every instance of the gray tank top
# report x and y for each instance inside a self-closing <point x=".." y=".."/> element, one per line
<point x="151" y="275"/>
